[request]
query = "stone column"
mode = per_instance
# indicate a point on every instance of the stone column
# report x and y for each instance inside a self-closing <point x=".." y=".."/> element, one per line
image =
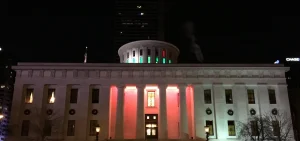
<point x="184" y="134"/>
<point x="199" y="110"/>
<point x="140" y="123"/>
<point x="104" y="111"/>
<point x="163" y="131"/>
<point x="152" y="55"/>
<point x="82" y="110"/>
<point x="120" y="113"/>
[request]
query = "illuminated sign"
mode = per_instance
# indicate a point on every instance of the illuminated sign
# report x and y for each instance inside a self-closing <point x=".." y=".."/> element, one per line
<point x="292" y="59"/>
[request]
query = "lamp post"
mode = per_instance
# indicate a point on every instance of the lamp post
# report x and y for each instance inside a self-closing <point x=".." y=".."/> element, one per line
<point x="98" y="128"/>
<point x="1" y="116"/>
<point x="206" y="129"/>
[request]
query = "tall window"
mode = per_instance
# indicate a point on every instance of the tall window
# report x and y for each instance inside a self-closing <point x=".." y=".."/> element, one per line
<point x="149" y="55"/>
<point x="93" y="125"/>
<point x="170" y="61"/>
<point x="207" y="96"/>
<point x="231" y="128"/>
<point x="276" y="129"/>
<point x="151" y="99"/>
<point x="48" y="128"/>
<point x="254" y="128"/>
<point x="29" y="96"/>
<point x="51" y="96"/>
<point x="141" y="56"/>
<point x="127" y="60"/>
<point x="156" y="56"/>
<point x="71" y="128"/>
<point x="95" y="96"/>
<point x="164" y="56"/>
<point x="74" y="95"/>
<point x="251" y="97"/>
<point x="210" y="124"/>
<point x="25" y="128"/>
<point x="272" y="96"/>
<point x="228" y="95"/>
<point x="133" y="53"/>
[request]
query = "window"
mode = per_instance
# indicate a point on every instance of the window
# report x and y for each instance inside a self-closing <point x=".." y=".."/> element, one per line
<point x="156" y="52"/>
<point x="151" y="99"/>
<point x="141" y="59"/>
<point x="148" y="52"/>
<point x="48" y="128"/>
<point x="210" y="124"/>
<point x="149" y="59"/>
<point x="207" y="96"/>
<point x="251" y="97"/>
<point x="51" y="95"/>
<point x="254" y="128"/>
<point x="276" y="129"/>
<point x="231" y="128"/>
<point x="25" y="128"/>
<point x="29" y="96"/>
<point x="170" y="61"/>
<point x="133" y="53"/>
<point x="133" y="60"/>
<point x="164" y="53"/>
<point x="95" y="96"/>
<point x="141" y="52"/>
<point x="272" y="96"/>
<point x="156" y="60"/>
<point x="71" y="128"/>
<point x="93" y="125"/>
<point x="164" y="60"/>
<point x="127" y="54"/>
<point x="74" y="95"/>
<point x="228" y="94"/>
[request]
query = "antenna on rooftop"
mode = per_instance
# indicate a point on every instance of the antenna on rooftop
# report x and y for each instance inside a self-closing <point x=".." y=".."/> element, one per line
<point x="85" y="55"/>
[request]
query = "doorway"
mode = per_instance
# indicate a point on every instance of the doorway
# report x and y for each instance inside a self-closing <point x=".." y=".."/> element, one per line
<point x="151" y="126"/>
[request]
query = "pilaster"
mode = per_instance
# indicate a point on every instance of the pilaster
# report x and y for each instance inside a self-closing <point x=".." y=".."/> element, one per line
<point x="82" y="115"/>
<point x="104" y="97"/>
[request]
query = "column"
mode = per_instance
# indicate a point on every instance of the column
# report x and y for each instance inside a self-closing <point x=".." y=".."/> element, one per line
<point x="183" y="113"/>
<point x="240" y="101"/>
<point x="83" y="112"/>
<point x="140" y="133"/>
<point x="120" y="113"/>
<point x="199" y="111"/>
<point x="163" y="132"/>
<point x="104" y="111"/>
<point x="263" y="98"/>
<point x="152" y="55"/>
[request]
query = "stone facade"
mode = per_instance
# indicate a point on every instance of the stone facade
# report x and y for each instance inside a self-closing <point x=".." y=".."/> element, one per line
<point x="121" y="110"/>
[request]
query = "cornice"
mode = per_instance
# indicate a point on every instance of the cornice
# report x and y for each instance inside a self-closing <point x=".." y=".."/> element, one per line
<point x="154" y="72"/>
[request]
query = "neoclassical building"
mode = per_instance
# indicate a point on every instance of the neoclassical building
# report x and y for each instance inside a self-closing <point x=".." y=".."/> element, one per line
<point x="146" y="96"/>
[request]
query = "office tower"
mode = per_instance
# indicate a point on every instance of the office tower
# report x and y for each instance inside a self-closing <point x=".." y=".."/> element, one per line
<point x="6" y="94"/>
<point x="139" y="20"/>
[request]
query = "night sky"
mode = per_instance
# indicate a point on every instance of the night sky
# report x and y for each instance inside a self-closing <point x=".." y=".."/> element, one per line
<point x="226" y="32"/>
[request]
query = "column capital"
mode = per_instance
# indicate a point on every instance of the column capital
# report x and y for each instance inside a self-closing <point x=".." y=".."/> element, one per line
<point x="120" y="86"/>
<point x="140" y="86"/>
<point x="162" y="86"/>
<point x="183" y="85"/>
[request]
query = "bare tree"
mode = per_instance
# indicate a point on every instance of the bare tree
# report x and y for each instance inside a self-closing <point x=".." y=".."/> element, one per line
<point x="270" y="126"/>
<point x="253" y="129"/>
<point x="43" y="126"/>
<point x="278" y="126"/>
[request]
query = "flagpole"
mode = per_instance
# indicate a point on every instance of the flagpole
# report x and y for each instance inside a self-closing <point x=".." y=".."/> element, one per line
<point x="85" y="55"/>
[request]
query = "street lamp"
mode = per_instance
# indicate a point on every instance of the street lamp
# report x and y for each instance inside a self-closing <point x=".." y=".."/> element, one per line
<point x="206" y="129"/>
<point x="1" y="116"/>
<point x="98" y="128"/>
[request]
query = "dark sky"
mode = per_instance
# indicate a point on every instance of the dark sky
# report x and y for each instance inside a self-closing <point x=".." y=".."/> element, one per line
<point x="226" y="32"/>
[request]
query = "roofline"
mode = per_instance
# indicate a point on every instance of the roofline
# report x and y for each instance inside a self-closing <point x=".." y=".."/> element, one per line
<point x="31" y="65"/>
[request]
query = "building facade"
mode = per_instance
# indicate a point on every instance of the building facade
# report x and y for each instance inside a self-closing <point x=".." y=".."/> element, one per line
<point x="142" y="100"/>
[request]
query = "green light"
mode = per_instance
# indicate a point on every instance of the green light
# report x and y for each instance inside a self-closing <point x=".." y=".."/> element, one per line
<point x="149" y="59"/>
<point x="141" y="59"/>
<point x="133" y="60"/>
<point x="164" y="60"/>
<point x="156" y="60"/>
<point x="170" y="61"/>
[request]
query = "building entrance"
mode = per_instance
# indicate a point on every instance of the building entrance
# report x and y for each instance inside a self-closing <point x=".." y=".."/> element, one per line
<point x="151" y="126"/>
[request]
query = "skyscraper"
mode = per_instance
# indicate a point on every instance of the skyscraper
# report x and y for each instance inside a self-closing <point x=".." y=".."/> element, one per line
<point x="139" y="20"/>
